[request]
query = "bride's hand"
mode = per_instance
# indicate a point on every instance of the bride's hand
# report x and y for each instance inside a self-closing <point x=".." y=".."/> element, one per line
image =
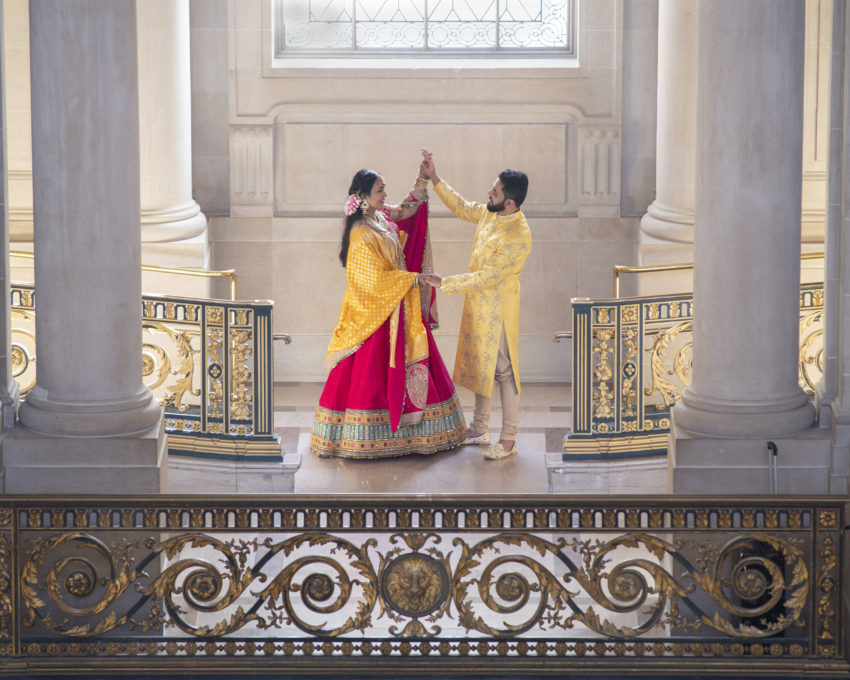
<point x="434" y="280"/>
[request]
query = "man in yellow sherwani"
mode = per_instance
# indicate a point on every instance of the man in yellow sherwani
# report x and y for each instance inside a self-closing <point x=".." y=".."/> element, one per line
<point x="489" y="328"/>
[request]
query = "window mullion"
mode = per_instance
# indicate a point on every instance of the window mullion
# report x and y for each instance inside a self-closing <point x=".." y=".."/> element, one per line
<point x="425" y="24"/>
<point x="354" y="24"/>
<point x="498" y="27"/>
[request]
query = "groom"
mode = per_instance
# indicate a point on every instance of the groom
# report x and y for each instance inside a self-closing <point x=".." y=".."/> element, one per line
<point x="489" y="330"/>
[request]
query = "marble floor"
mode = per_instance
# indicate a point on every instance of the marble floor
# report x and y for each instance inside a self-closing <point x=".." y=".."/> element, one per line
<point x="543" y="421"/>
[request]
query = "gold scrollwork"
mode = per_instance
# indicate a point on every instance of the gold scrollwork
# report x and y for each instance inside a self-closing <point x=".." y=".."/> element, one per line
<point x="6" y="609"/>
<point x="681" y="363"/>
<point x="156" y="359"/>
<point x="630" y="372"/>
<point x="23" y="348"/>
<point x="215" y="373"/>
<point x="811" y="350"/>
<point x="603" y="396"/>
<point x="78" y="585"/>
<point x="746" y="578"/>
<point x="751" y="587"/>
<point x="240" y="392"/>
<point x="827" y="588"/>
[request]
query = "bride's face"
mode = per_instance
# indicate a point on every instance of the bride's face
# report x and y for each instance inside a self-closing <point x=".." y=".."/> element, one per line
<point x="378" y="196"/>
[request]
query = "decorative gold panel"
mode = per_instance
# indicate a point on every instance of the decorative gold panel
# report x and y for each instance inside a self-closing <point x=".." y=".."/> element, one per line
<point x="632" y="358"/>
<point x="358" y="581"/>
<point x="208" y="362"/>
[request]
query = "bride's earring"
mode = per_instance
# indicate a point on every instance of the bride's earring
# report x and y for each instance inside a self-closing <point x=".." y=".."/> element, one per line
<point x="364" y="204"/>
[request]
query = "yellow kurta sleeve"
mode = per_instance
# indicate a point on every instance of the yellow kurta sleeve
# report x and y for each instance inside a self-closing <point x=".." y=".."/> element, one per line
<point x="468" y="211"/>
<point x="506" y="260"/>
<point x="375" y="288"/>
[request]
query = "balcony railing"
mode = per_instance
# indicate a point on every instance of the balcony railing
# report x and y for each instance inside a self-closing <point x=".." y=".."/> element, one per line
<point x="631" y="361"/>
<point x="449" y="584"/>
<point x="208" y="362"/>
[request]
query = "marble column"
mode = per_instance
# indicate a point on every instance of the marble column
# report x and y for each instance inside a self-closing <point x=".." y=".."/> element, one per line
<point x="747" y="241"/>
<point x="833" y="391"/>
<point x="667" y="228"/>
<point x="173" y="226"/>
<point x="87" y="257"/>
<point x="169" y="213"/>
<point x="9" y="388"/>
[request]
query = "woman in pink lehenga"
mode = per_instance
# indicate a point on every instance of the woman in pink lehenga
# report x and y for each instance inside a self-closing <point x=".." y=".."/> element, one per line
<point x="388" y="393"/>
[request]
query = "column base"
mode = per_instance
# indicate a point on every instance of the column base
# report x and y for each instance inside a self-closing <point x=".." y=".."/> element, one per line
<point x="668" y="224"/>
<point x="175" y="224"/>
<point x="134" y="416"/>
<point x="35" y="463"/>
<point x="707" y="417"/>
<point x="198" y="476"/>
<point x="701" y="464"/>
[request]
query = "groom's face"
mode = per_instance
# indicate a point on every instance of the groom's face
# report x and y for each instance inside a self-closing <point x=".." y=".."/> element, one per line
<point x="496" y="198"/>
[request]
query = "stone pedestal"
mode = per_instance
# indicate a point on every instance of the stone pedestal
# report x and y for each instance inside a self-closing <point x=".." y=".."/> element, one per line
<point x="626" y="476"/>
<point x="37" y="463"/>
<point x="197" y="476"/>
<point x="742" y="466"/>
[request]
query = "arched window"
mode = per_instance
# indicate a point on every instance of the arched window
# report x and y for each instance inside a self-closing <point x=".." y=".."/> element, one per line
<point x="424" y="29"/>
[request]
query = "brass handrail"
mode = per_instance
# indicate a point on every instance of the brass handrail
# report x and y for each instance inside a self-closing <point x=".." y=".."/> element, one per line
<point x="207" y="273"/>
<point x="624" y="269"/>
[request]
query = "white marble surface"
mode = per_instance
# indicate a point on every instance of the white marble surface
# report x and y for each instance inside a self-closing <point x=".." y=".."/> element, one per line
<point x="543" y="419"/>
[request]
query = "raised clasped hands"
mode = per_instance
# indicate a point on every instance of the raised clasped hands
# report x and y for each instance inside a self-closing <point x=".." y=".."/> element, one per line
<point x="426" y="167"/>
<point x="434" y="280"/>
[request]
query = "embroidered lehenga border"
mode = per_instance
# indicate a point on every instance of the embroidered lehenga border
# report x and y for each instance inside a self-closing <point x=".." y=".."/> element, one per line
<point x="368" y="434"/>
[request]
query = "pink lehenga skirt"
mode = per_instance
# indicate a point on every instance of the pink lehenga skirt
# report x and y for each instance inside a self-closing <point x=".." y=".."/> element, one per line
<point x="370" y="410"/>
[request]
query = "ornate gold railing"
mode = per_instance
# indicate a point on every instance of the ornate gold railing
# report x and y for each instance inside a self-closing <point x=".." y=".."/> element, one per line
<point x="450" y="584"/>
<point x="209" y="362"/>
<point x="631" y="361"/>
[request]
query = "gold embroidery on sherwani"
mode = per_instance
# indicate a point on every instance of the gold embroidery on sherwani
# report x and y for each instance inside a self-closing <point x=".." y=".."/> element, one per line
<point x="491" y="285"/>
<point x="377" y="285"/>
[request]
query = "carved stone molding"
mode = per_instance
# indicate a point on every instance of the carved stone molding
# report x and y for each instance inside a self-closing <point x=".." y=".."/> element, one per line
<point x="251" y="174"/>
<point x="599" y="165"/>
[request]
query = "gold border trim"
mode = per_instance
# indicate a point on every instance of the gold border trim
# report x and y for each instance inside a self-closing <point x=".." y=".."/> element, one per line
<point x="218" y="447"/>
<point x="616" y="444"/>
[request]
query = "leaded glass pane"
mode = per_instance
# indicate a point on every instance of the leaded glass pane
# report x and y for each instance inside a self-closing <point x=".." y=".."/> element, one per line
<point x="317" y="25"/>
<point x="422" y="27"/>
<point x="462" y="23"/>
<point x="390" y="23"/>
<point x="534" y="23"/>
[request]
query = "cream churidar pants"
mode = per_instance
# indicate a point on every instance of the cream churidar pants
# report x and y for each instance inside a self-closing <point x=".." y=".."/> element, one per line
<point x="510" y="397"/>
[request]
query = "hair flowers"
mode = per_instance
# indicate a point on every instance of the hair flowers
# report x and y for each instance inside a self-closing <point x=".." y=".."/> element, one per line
<point x="351" y="204"/>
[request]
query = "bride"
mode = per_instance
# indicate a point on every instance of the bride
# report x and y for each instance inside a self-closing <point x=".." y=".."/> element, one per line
<point x="388" y="392"/>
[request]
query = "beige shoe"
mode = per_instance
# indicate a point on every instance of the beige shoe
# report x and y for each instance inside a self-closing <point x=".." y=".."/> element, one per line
<point x="480" y="439"/>
<point x="497" y="452"/>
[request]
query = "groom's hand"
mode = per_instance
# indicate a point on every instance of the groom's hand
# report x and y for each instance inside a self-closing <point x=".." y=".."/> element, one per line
<point x="434" y="280"/>
<point x="428" y="166"/>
